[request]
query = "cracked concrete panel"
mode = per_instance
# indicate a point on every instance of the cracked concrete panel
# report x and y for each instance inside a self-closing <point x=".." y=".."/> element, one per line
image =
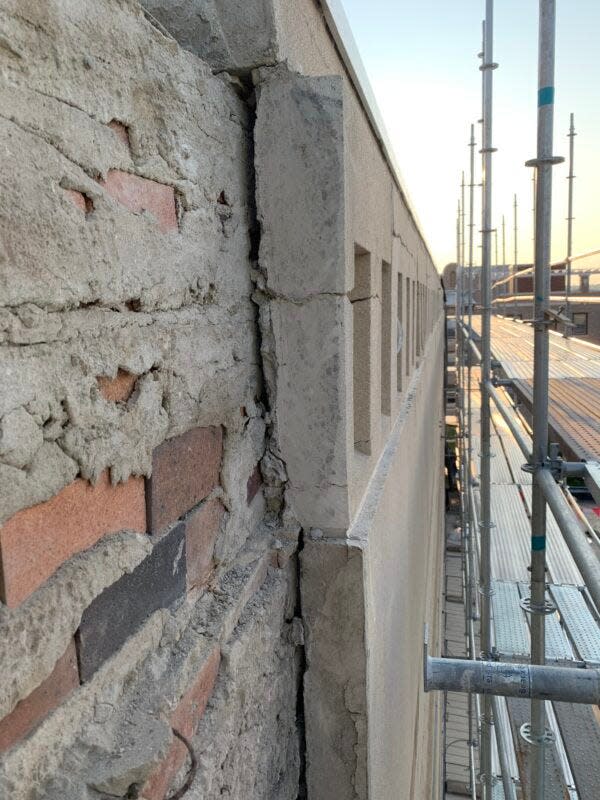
<point x="299" y="137"/>
<point x="335" y="699"/>
<point x="232" y="35"/>
<point x="311" y="406"/>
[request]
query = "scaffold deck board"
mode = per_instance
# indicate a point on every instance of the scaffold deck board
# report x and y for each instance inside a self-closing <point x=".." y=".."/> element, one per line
<point x="510" y="626"/>
<point x="574" y="381"/>
<point x="558" y="647"/>
<point x="511" y="534"/>
<point x="581" y="737"/>
<point x="456" y="705"/>
<point x="519" y="713"/>
<point x="579" y="622"/>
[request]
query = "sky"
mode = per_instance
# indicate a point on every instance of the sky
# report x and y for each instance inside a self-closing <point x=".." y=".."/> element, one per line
<point x="421" y="58"/>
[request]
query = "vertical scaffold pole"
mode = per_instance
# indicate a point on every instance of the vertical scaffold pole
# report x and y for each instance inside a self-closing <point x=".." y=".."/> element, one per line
<point x="469" y="455"/>
<point x="487" y="150"/>
<point x="515" y="255"/>
<point x="535" y="733"/>
<point x="465" y="354"/>
<point x="571" y="136"/>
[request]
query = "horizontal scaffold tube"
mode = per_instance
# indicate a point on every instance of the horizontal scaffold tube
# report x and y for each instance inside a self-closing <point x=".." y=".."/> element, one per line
<point x="512" y="680"/>
<point x="584" y="554"/>
<point x="510" y="418"/>
<point x="473" y="346"/>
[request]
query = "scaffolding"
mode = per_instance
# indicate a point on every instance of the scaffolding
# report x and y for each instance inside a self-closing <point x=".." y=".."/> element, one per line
<point x="535" y="627"/>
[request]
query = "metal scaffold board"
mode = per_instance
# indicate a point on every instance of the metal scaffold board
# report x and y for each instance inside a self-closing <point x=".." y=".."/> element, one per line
<point x="519" y="711"/>
<point x="513" y="453"/>
<point x="561" y="566"/>
<point x="580" y="733"/>
<point x="579" y="622"/>
<point x="511" y="534"/>
<point x="502" y="728"/>
<point x="510" y="627"/>
<point x="499" y="469"/>
<point x="558" y="647"/>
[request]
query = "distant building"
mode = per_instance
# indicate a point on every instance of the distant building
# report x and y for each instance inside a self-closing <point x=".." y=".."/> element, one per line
<point x="512" y="292"/>
<point x="513" y="295"/>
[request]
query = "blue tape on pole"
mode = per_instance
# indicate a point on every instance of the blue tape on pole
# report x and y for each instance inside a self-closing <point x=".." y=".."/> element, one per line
<point x="538" y="542"/>
<point x="546" y="96"/>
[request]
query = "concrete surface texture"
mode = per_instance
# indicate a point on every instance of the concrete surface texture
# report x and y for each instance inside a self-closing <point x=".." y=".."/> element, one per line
<point x="220" y="453"/>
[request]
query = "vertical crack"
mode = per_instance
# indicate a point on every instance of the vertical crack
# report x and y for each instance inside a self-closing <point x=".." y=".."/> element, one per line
<point x="272" y="465"/>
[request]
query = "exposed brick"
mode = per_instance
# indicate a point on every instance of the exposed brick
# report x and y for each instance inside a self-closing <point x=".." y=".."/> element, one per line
<point x="253" y="485"/>
<point x="120" y="130"/>
<point x="141" y="194"/>
<point x="202" y="528"/>
<point x="117" y="389"/>
<point x="184" y="471"/>
<point x="30" y="711"/>
<point x="121" y="609"/>
<point x="185" y="720"/>
<point x="36" y="541"/>
<point x="80" y="200"/>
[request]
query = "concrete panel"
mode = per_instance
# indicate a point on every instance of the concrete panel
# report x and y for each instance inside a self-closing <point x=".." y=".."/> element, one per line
<point x="311" y="408"/>
<point x="299" y="137"/>
<point x="335" y="699"/>
<point x="232" y="35"/>
<point x="301" y="207"/>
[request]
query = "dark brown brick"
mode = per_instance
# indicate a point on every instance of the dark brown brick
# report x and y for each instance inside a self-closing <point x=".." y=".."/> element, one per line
<point x="122" y="608"/>
<point x="30" y="711"/>
<point x="185" y="470"/>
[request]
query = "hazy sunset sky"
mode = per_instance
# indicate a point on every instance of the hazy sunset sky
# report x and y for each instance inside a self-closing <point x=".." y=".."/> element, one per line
<point x="421" y="58"/>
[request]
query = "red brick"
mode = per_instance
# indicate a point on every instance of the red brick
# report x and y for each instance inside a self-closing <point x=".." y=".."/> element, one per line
<point x="80" y="200"/>
<point x="120" y="130"/>
<point x="185" y="470"/>
<point x="253" y="485"/>
<point x="140" y="194"/>
<point x="185" y="720"/>
<point x="202" y="528"/>
<point x="118" y="389"/>
<point x="36" y="541"/>
<point x="30" y="711"/>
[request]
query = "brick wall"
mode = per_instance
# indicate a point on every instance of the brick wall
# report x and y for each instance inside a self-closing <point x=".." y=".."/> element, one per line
<point x="131" y="416"/>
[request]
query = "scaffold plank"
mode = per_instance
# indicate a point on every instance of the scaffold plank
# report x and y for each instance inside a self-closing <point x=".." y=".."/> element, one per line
<point x="574" y="381"/>
<point x="558" y="647"/>
<point x="580" y="733"/>
<point x="511" y="534"/>
<point x="510" y="626"/>
<point x="579" y="622"/>
<point x="519" y="712"/>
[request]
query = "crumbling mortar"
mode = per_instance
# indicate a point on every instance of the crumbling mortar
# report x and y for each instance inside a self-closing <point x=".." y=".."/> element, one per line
<point x="32" y="131"/>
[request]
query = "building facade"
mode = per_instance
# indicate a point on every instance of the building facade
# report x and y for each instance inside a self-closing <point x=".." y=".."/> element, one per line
<point x="221" y="419"/>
